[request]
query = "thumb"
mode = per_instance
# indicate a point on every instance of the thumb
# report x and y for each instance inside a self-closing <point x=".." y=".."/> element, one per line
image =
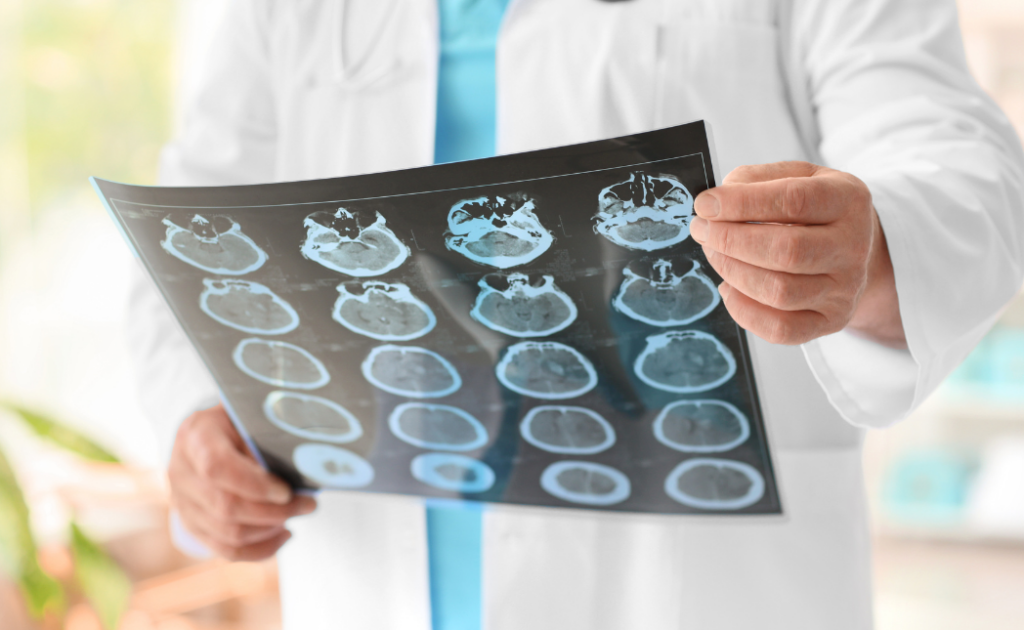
<point x="754" y="173"/>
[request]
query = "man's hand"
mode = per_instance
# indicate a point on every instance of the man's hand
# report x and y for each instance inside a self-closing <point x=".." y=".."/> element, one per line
<point x="801" y="252"/>
<point x="223" y="496"/>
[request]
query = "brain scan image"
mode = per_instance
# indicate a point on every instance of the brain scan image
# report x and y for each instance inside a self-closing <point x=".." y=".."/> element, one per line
<point x="280" y="364"/>
<point x="685" y="362"/>
<point x="247" y="306"/>
<point x="411" y="371"/>
<point x="332" y="467"/>
<point x="585" y="482"/>
<point x="388" y="312"/>
<point x="437" y="427"/>
<point x="546" y="369"/>
<point x="520" y="308"/>
<point x="449" y="471"/>
<point x="662" y="298"/>
<point x="567" y="430"/>
<point x="499" y="231"/>
<point x="645" y="212"/>
<point x="352" y="244"/>
<point x="311" y="417"/>
<point x="215" y="245"/>
<point x="715" y="484"/>
<point x="701" y="426"/>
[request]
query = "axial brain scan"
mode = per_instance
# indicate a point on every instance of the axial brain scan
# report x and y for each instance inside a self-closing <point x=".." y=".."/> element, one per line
<point x="449" y="471"/>
<point x="389" y="312"/>
<point x="645" y="212"/>
<point x="215" y="245"/>
<point x="567" y="430"/>
<point x="332" y="467"/>
<point x="546" y="369"/>
<point x="411" y="371"/>
<point x="439" y="427"/>
<point x="715" y="484"/>
<point x="585" y="482"/>
<point x="500" y="231"/>
<point x="348" y="243"/>
<point x="311" y="417"/>
<point x="662" y="298"/>
<point x="280" y="364"/>
<point x="685" y="362"/>
<point x="701" y="426"/>
<point x="520" y="308"/>
<point x="247" y="306"/>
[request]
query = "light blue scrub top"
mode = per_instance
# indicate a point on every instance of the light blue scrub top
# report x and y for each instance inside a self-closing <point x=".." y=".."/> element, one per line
<point x="465" y="131"/>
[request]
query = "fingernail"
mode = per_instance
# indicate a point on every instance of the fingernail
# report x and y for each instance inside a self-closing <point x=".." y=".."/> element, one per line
<point x="307" y="506"/>
<point x="279" y="493"/>
<point x="699" y="229"/>
<point x="707" y="205"/>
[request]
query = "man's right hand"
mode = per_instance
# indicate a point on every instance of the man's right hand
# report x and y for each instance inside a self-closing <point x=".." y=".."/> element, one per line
<point x="230" y="503"/>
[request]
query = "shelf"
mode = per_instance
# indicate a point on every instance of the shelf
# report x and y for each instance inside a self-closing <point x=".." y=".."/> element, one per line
<point x="960" y="533"/>
<point x="970" y="401"/>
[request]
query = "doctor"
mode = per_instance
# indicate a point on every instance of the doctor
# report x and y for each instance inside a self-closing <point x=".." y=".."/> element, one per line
<point x="869" y="230"/>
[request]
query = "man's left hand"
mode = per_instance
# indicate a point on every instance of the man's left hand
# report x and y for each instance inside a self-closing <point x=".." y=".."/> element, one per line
<point x="801" y="252"/>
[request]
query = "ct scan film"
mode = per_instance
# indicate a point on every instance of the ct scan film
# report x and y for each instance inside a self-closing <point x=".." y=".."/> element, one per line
<point x="534" y="329"/>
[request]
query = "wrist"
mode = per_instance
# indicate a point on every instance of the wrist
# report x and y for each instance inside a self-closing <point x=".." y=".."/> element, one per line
<point x="877" y="316"/>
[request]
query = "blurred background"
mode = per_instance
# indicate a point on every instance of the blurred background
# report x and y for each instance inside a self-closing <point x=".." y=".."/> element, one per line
<point x="90" y="87"/>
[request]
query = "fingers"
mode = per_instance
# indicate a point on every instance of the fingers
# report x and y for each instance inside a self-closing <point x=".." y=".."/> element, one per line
<point x="799" y="200"/>
<point x="237" y="535"/>
<point x="214" y="450"/>
<point x="230" y="508"/>
<point x="773" y="325"/>
<point x="235" y="507"/>
<point x="782" y="291"/>
<point x="788" y="248"/>
<point x="251" y="552"/>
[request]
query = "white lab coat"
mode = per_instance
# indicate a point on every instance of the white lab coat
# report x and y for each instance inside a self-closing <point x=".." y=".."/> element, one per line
<point x="319" y="88"/>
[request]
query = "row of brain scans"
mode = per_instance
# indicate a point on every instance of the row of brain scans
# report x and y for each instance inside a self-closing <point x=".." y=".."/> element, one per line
<point x="644" y="212"/>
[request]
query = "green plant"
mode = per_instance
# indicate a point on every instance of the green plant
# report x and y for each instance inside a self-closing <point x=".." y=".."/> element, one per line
<point x="96" y="575"/>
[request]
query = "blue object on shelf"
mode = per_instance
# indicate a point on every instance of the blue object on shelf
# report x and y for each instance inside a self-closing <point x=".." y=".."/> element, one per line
<point x="993" y="373"/>
<point x="927" y="487"/>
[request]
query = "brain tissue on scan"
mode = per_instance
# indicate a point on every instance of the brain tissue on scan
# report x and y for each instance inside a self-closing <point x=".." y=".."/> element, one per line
<point x="388" y="312"/>
<point x="448" y="471"/>
<point x="499" y="231"/>
<point x="586" y="483"/>
<point x="332" y="467"/>
<point x="567" y="430"/>
<point x="438" y="427"/>
<point x="659" y="297"/>
<point x="348" y="243"/>
<point x="645" y="212"/>
<point x="411" y="371"/>
<point x="520" y="308"/>
<point x="311" y="417"/>
<point x="715" y="484"/>
<point x="701" y="426"/>
<point x="685" y="362"/>
<point x="546" y="369"/>
<point x="247" y="306"/>
<point x="215" y="245"/>
<point x="280" y="364"/>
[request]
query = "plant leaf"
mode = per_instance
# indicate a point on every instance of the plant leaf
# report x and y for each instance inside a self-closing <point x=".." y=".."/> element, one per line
<point x="104" y="583"/>
<point x="62" y="435"/>
<point x="42" y="592"/>
<point x="18" y="548"/>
